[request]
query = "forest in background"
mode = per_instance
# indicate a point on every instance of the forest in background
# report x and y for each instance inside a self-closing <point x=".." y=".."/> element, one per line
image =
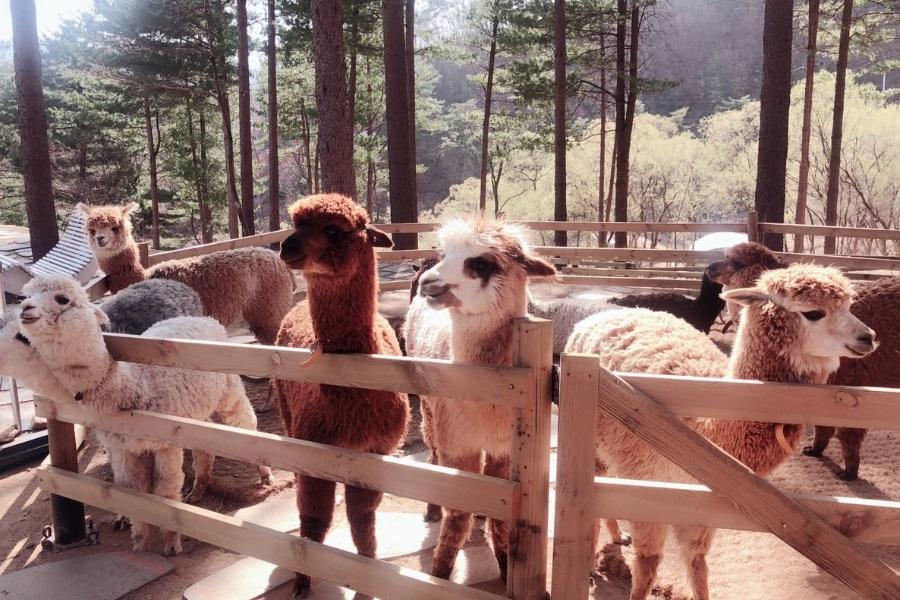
<point x="143" y="104"/>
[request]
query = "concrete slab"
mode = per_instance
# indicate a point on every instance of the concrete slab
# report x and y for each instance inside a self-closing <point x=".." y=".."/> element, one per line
<point x="105" y="576"/>
<point x="398" y="534"/>
<point x="279" y="513"/>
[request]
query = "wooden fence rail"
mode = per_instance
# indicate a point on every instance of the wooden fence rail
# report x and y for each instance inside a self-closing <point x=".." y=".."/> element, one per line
<point x="820" y="528"/>
<point x="522" y="500"/>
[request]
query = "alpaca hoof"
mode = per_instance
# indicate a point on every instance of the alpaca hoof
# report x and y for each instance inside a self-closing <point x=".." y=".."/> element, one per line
<point x="301" y="587"/>
<point x="433" y="514"/>
<point x="441" y="571"/>
<point x="623" y="540"/>
<point x="267" y="479"/>
<point x="848" y="475"/>
<point x="172" y="548"/>
<point x="139" y="544"/>
<point x="501" y="562"/>
<point x="195" y="496"/>
<point x="121" y="523"/>
<point x="812" y="451"/>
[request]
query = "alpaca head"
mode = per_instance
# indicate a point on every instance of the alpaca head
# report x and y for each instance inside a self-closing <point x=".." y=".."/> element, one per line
<point x="808" y="307"/>
<point x="108" y="228"/>
<point x="17" y="356"/>
<point x="484" y="268"/>
<point x="57" y="310"/>
<point x="741" y="268"/>
<point x="331" y="235"/>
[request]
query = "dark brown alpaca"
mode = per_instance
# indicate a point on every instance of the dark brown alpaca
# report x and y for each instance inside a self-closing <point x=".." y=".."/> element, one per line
<point x="333" y="245"/>
<point x="875" y="305"/>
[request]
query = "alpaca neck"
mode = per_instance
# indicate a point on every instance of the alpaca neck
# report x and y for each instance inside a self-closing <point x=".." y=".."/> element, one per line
<point x="81" y="370"/>
<point x="484" y="339"/>
<point x="343" y="312"/>
<point x="123" y="268"/>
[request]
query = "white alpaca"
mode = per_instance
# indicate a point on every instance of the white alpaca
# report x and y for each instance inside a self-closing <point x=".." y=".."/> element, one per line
<point x="796" y="326"/>
<point x="481" y="282"/>
<point x="64" y="329"/>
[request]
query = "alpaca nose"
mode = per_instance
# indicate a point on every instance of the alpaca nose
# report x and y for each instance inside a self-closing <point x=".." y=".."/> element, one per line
<point x="430" y="285"/>
<point x="867" y="338"/>
<point x="101" y="240"/>
<point x="27" y="315"/>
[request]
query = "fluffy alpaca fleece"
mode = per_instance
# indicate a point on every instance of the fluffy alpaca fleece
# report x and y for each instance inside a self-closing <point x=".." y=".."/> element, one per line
<point x="248" y="282"/>
<point x="875" y="305"/>
<point x="775" y="342"/>
<point x="334" y="246"/>
<point x="143" y="304"/>
<point x="700" y="312"/>
<point x="64" y="329"/>
<point x="481" y="282"/>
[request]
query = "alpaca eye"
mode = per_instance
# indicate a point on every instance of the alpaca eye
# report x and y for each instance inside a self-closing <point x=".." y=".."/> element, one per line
<point x="93" y="231"/>
<point x="115" y="230"/>
<point x="813" y="315"/>
<point x="332" y="233"/>
<point x="61" y="300"/>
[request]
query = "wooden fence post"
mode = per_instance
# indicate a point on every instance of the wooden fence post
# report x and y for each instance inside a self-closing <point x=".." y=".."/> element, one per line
<point x="68" y="515"/>
<point x="573" y="541"/>
<point x="144" y="253"/>
<point x="752" y="227"/>
<point x="754" y="496"/>
<point x="530" y="463"/>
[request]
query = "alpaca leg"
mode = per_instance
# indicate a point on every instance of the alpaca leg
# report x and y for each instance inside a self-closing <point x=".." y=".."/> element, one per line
<point x="134" y="471"/>
<point x="823" y="436"/>
<point x="241" y="414"/>
<point x="851" y="442"/>
<point x="203" y="467"/>
<point x="168" y="477"/>
<point x="456" y="525"/>
<point x="315" y="501"/>
<point x="612" y="526"/>
<point x="433" y="511"/>
<point x="648" y="540"/>
<point x="361" y="507"/>
<point x="499" y="467"/>
<point x="695" y="543"/>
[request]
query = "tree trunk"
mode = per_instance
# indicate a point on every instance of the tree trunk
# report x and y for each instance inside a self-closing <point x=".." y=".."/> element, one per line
<point x="152" y="149"/>
<point x="803" y="176"/>
<point x="486" y="123"/>
<point x="217" y="62"/>
<point x="775" y="99"/>
<point x="206" y="232"/>
<point x="33" y="129"/>
<point x="601" y="191"/>
<point x="370" y="132"/>
<point x="335" y="123"/>
<point x="401" y="175"/>
<point x="559" y="121"/>
<point x="274" y="191"/>
<point x="410" y="44"/>
<point x="625" y="109"/>
<point x="249" y="222"/>
<point x="837" y="126"/>
<point x="305" y="140"/>
<point x="198" y="172"/>
<point x="612" y="179"/>
<point x="351" y="83"/>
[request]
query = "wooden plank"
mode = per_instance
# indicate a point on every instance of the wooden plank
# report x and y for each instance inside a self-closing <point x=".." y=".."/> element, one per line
<point x="429" y="483"/>
<point x="260" y="239"/>
<point x="684" y="285"/>
<point x="860" y="519"/>
<point x="389" y="286"/>
<point x="530" y="463"/>
<point x="752" y="226"/>
<point x="855" y="232"/>
<point x="397" y="255"/>
<point x="752" y="495"/>
<point x="634" y="254"/>
<point x="633" y="273"/>
<point x="575" y="504"/>
<point x="844" y="262"/>
<point x="838" y="406"/>
<point x="144" y="253"/>
<point x="366" y="575"/>
<point x="68" y="514"/>
<point x="581" y="226"/>
<point x="407" y="227"/>
<point x="498" y="385"/>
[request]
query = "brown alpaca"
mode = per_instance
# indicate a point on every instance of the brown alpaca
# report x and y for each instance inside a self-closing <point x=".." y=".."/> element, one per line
<point x="333" y="245"/>
<point x="480" y="282"/>
<point x="249" y="282"/>
<point x="781" y="338"/>
<point x="875" y="305"/>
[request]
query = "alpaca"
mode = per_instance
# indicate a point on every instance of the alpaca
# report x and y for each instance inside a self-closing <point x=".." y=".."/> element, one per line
<point x="876" y="305"/>
<point x="700" y="312"/>
<point x="334" y="247"/>
<point x="480" y="281"/>
<point x="64" y="329"/>
<point x="797" y="323"/>
<point x="248" y="282"/>
<point x="141" y="305"/>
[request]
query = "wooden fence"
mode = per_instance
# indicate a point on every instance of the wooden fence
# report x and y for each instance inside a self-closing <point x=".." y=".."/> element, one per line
<point x="522" y="500"/>
<point x="826" y="530"/>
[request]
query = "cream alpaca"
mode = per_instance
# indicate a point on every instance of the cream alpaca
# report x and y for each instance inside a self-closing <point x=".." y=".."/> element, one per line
<point x="481" y="281"/>
<point x="64" y="329"/>
<point x="248" y="283"/>
<point x="796" y="326"/>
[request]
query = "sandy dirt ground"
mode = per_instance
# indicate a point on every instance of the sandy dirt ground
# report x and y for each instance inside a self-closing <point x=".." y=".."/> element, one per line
<point x="745" y="566"/>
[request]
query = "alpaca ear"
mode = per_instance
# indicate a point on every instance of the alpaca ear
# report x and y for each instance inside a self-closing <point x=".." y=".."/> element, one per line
<point x="378" y="238"/>
<point x="537" y="267"/>
<point x="129" y="208"/>
<point x="102" y="318"/>
<point x="746" y="296"/>
<point x="83" y="208"/>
